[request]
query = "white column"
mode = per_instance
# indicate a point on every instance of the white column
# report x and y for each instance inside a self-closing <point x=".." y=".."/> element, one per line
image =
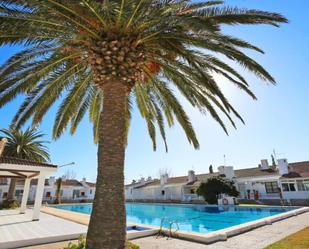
<point x="25" y="196"/>
<point x="38" y="197"/>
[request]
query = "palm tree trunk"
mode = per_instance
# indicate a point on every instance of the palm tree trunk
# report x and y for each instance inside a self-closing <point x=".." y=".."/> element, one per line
<point x="12" y="188"/>
<point x="107" y="228"/>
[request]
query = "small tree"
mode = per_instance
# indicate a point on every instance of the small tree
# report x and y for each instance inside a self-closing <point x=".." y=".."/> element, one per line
<point x="214" y="186"/>
<point x="58" y="190"/>
<point x="211" y="170"/>
<point x="24" y="144"/>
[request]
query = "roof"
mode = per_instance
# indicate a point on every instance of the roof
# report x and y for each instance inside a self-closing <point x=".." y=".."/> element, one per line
<point x="71" y="182"/>
<point x="254" y="172"/>
<point x="146" y="184"/>
<point x="201" y="178"/>
<point x="171" y="180"/>
<point x="179" y="180"/>
<point x="91" y="184"/>
<point x="13" y="160"/>
<point x="298" y="169"/>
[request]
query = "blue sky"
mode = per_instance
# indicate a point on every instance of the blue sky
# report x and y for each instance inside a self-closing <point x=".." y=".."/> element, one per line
<point x="278" y="120"/>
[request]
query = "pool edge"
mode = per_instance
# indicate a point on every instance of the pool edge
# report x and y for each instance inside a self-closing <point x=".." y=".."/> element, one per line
<point x="220" y="235"/>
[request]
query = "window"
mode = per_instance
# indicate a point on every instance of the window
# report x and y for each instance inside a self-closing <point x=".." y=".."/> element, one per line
<point x="48" y="194"/>
<point x="271" y="187"/>
<point x="5" y="195"/>
<point x="288" y="187"/>
<point x="192" y="191"/>
<point x="82" y="193"/>
<point x="76" y="193"/>
<point x="91" y="191"/>
<point x="302" y="185"/>
<point x="162" y="192"/>
<point x="19" y="192"/>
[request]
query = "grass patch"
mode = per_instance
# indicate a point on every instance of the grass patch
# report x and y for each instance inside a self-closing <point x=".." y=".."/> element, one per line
<point x="299" y="240"/>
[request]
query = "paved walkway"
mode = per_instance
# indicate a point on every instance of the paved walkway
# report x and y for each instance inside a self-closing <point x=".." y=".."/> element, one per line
<point x="255" y="239"/>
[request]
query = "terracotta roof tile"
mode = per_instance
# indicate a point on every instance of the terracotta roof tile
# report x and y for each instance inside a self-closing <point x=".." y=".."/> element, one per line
<point x="12" y="160"/>
<point x="254" y="172"/>
<point x="71" y="182"/>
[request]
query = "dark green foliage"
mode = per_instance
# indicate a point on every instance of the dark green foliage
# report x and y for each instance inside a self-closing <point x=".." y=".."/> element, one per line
<point x="211" y="170"/>
<point x="214" y="186"/>
<point x="27" y="144"/>
<point x="9" y="204"/>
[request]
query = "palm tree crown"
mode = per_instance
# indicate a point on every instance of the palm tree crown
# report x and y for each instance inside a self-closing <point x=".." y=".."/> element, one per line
<point x="25" y="145"/>
<point x="76" y="47"/>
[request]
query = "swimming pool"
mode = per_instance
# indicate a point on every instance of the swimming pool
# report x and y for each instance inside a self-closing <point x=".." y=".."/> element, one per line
<point x="191" y="218"/>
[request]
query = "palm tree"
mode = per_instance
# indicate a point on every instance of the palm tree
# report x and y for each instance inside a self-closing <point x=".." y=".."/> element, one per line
<point x="58" y="190"/>
<point x="25" y="145"/>
<point x="102" y="56"/>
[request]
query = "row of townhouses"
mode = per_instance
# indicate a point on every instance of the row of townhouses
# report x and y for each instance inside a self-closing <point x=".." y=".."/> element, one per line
<point x="287" y="182"/>
<point x="71" y="190"/>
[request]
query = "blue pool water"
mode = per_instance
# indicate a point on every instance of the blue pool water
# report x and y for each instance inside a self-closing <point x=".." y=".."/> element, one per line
<point x="192" y="218"/>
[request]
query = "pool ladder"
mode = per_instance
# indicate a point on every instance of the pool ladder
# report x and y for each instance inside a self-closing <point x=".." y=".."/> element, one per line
<point x="170" y="232"/>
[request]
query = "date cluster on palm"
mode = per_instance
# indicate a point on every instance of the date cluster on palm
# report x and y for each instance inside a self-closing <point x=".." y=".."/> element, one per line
<point x="118" y="59"/>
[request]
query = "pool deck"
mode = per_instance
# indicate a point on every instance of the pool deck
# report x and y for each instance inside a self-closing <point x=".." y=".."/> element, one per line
<point x="18" y="230"/>
<point x="256" y="239"/>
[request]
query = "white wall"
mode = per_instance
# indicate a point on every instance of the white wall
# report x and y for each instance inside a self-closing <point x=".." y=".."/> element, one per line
<point x="67" y="192"/>
<point x="296" y="195"/>
<point x="171" y="192"/>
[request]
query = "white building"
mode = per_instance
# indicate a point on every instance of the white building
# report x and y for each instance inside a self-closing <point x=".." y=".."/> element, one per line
<point x="262" y="184"/>
<point x="71" y="191"/>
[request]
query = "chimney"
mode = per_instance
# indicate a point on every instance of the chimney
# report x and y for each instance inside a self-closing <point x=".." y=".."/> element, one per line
<point x="264" y="164"/>
<point x="191" y="176"/>
<point x="283" y="166"/>
<point x="228" y="171"/>
<point x="51" y="181"/>
<point x="2" y="145"/>
<point x="163" y="179"/>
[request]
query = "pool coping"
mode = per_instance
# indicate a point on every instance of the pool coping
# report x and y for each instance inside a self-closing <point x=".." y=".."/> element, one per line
<point x="220" y="235"/>
<point x="84" y="219"/>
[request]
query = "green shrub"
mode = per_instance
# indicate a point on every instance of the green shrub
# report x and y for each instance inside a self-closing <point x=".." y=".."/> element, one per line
<point x="10" y="204"/>
<point x="81" y="244"/>
<point x="214" y="186"/>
